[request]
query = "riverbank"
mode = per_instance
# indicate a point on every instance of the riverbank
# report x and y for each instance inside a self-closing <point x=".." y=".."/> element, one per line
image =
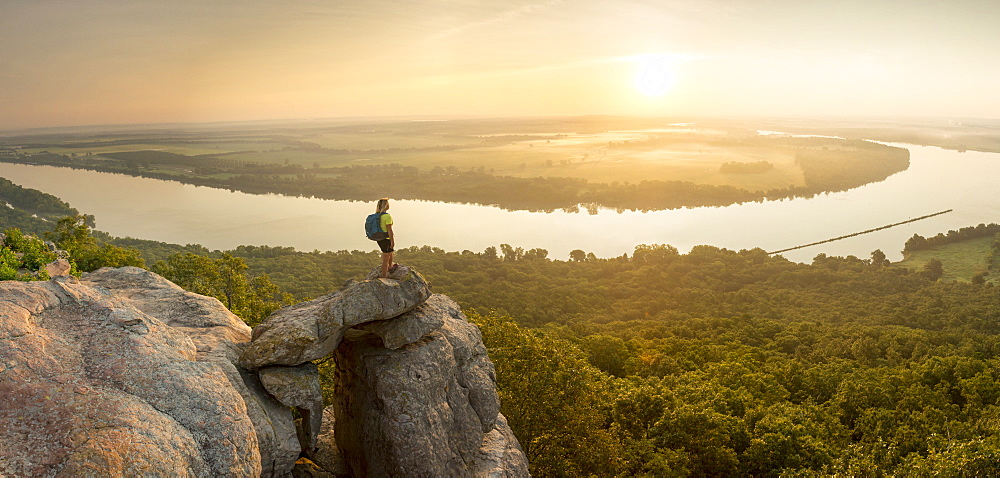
<point x="172" y="212"/>
<point x="640" y="170"/>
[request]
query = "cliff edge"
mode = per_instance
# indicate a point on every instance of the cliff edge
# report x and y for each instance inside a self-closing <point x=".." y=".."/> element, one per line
<point x="124" y="373"/>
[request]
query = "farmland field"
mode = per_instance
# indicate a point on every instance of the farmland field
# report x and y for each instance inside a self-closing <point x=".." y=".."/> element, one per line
<point x="960" y="260"/>
<point x="599" y="160"/>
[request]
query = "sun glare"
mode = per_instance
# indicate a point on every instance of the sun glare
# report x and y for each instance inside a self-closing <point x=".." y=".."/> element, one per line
<point x="655" y="75"/>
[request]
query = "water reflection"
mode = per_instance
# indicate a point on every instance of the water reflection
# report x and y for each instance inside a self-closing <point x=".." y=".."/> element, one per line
<point x="172" y="212"/>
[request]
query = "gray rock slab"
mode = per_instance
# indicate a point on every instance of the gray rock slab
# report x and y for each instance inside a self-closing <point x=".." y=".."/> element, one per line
<point x="219" y="337"/>
<point x="312" y="330"/>
<point x="298" y="387"/>
<point x="475" y="372"/>
<point x="427" y="408"/>
<point x="413" y="325"/>
<point x="500" y="455"/>
<point x="328" y="455"/>
<point x="94" y="383"/>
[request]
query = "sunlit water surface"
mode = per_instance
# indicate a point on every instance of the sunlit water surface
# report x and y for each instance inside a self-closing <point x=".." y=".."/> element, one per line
<point x="219" y="219"/>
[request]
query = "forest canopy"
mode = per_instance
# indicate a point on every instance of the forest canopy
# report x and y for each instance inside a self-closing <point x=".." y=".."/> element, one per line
<point x="712" y="362"/>
<point x="716" y="362"/>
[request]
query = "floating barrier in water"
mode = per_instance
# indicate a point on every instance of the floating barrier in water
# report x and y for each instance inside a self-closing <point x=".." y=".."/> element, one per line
<point x="862" y="232"/>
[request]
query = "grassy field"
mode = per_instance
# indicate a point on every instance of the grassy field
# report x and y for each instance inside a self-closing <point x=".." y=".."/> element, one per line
<point x="384" y="139"/>
<point x="693" y="161"/>
<point x="692" y="158"/>
<point x="960" y="260"/>
<point x="656" y="154"/>
<point x="188" y="149"/>
<point x="598" y="149"/>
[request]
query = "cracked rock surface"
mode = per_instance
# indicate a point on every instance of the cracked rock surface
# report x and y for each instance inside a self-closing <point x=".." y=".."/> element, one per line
<point x="125" y="374"/>
<point x="312" y="330"/>
<point x="426" y="408"/>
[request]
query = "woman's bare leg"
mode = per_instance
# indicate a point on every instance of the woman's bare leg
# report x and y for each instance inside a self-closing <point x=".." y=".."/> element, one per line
<point x="386" y="262"/>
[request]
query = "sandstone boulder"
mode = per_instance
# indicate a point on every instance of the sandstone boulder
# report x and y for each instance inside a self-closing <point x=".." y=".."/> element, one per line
<point x="298" y="387"/>
<point x="58" y="267"/>
<point x="428" y="408"/>
<point x="312" y="330"/>
<point x="399" y="273"/>
<point x="328" y="455"/>
<point x="220" y="336"/>
<point x="413" y="325"/>
<point x="124" y="373"/>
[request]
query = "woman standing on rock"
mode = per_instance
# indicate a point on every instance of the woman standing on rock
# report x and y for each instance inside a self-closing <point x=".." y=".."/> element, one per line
<point x="388" y="244"/>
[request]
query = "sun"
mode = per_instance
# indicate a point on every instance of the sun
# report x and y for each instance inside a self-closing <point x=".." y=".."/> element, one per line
<point x="655" y="75"/>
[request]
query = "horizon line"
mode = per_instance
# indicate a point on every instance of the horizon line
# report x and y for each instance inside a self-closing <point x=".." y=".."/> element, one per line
<point x="456" y="116"/>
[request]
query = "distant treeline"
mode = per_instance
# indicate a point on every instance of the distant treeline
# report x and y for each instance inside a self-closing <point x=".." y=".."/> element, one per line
<point x="29" y="209"/>
<point x="920" y="243"/>
<point x="847" y="165"/>
<point x="33" y="200"/>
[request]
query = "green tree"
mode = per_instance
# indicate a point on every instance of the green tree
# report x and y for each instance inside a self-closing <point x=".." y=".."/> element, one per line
<point x="607" y="353"/>
<point x="879" y="259"/>
<point x="933" y="269"/>
<point x="786" y="436"/>
<point x="511" y="254"/>
<point x="655" y="253"/>
<point x="233" y="281"/>
<point x="23" y="257"/>
<point x="193" y="272"/>
<point x="554" y="397"/>
<point x="73" y="234"/>
<point x="252" y="297"/>
<point x="705" y="435"/>
<point x="535" y="254"/>
<point x="32" y="252"/>
<point x="977" y="457"/>
<point x="490" y="253"/>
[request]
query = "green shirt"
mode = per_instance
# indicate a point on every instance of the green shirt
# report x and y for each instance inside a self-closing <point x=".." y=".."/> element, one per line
<point x="384" y="221"/>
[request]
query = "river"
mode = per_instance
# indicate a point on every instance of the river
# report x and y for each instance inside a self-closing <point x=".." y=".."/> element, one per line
<point x="167" y="211"/>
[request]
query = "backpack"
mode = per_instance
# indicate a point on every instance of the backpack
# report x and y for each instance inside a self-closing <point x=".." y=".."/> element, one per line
<point x="373" y="227"/>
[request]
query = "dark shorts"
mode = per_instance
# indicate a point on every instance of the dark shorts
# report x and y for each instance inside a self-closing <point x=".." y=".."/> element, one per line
<point x="385" y="245"/>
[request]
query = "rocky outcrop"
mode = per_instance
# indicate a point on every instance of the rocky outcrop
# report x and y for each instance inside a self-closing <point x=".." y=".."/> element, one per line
<point x="298" y="387"/>
<point x="328" y="455"/>
<point x="311" y="330"/>
<point x="427" y="408"/>
<point x="124" y="373"/>
<point x="58" y="267"/>
<point x="415" y="393"/>
<point x="409" y="328"/>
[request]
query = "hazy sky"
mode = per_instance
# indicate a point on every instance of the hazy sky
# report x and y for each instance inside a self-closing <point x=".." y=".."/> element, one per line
<point x="79" y="62"/>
